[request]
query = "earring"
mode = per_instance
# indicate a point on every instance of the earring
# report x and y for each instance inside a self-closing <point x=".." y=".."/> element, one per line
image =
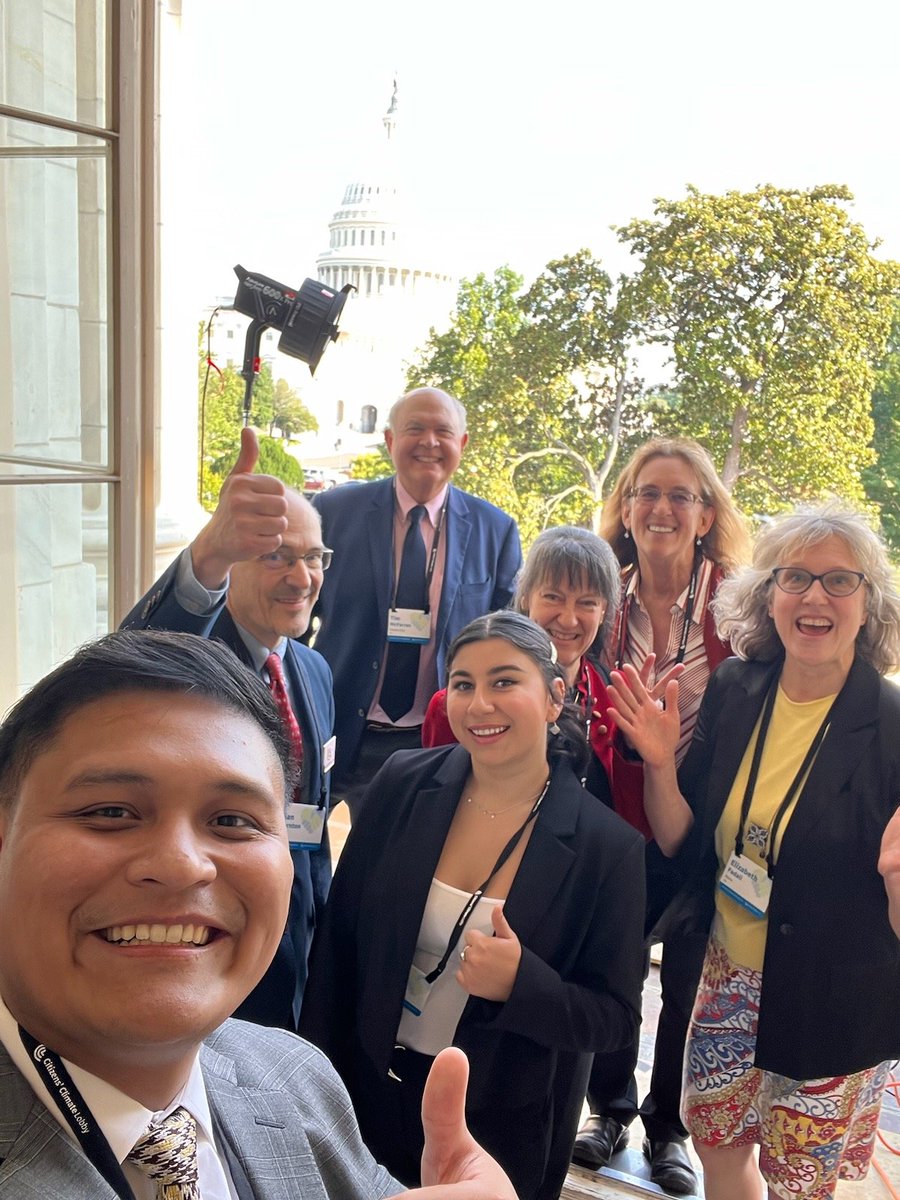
<point x="627" y="535"/>
<point x="699" y="542"/>
<point x="554" y="729"/>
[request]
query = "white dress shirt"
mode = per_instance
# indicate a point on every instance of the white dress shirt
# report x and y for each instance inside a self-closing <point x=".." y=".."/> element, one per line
<point x="123" y="1120"/>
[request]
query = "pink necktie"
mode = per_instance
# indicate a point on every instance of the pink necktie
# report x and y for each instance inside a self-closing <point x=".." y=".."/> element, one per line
<point x="279" y="693"/>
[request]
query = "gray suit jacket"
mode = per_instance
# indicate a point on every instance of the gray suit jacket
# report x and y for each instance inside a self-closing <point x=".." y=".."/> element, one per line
<point x="282" y="1116"/>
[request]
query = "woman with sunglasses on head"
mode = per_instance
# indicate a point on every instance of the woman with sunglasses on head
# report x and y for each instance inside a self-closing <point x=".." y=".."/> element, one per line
<point x="786" y="799"/>
<point x="483" y="900"/>
<point x="676" y="534"/>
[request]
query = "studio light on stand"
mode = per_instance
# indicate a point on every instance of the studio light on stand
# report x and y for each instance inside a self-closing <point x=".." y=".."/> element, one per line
<point x="307" y="317"/>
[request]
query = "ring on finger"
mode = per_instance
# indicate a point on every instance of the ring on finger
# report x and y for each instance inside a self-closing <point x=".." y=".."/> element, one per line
<point x="462" y="954"/>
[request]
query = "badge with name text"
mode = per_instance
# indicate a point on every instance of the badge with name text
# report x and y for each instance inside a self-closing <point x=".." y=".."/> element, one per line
<point x="747" y="883"/>
<point x="418" y="990"/>
<point x="305" y="823"/>
<point x="408" y="625"/>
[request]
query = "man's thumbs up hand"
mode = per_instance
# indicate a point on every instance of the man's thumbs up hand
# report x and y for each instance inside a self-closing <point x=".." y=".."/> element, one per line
<point x="250" y="519"/>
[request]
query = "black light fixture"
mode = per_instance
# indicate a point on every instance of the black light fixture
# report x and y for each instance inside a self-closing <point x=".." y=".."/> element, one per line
<point x="307" y="317"/>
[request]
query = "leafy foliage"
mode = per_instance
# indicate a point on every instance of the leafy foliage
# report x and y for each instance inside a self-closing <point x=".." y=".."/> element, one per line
<point x="882" y="479"/>
<point x="289" y="414"/>
<point x="221" y="417"/>
<point x="775" y="311"/>
<point x="549" y="385"/>
<point x="376" y="465"/>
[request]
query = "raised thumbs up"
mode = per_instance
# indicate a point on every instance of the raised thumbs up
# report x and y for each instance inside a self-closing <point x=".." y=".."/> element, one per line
<point x="250" y="519"/>
<point x="453" y="1164"/>
<point x="248" y="455"/>
<point x="488" y="965"/>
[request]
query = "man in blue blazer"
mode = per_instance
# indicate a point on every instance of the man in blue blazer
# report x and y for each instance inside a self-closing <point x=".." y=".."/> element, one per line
<point x="469" y="562"/>
<point x="250" y="579"/>
<point x="144" y="883"/>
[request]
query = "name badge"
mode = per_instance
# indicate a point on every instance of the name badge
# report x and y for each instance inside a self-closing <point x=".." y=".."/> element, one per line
<point x="328" y="754"/>
<point x="747" y="883"/>
<point x="409" y="625"/>
<point x="418" y="990"/>
<point x="305" y="824"/>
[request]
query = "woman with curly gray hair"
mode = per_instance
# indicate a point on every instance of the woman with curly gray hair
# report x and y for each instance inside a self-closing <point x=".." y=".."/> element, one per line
<point x="786" y="800"/>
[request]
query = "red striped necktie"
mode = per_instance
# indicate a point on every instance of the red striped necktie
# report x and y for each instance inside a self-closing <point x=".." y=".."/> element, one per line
<point x="278" y="688"/>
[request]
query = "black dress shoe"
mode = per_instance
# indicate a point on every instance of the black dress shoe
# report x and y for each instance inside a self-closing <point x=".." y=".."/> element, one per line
<point x="598" y="1140"/>
<point x="670" y="1167"/>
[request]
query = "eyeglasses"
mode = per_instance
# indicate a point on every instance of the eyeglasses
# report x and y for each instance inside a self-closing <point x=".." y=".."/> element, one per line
<point x="282" y="560"/>
<point x="679" y="498"/>
<point x="796" y="580"/>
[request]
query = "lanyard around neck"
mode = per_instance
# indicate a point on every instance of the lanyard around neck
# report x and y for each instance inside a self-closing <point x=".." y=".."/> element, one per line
<point x="470" y="904"/>
<point x="686" y="626"/>
<point x="791" y="794"/>
<point x="583" y="686"/>
<point x="79" y="1118"/>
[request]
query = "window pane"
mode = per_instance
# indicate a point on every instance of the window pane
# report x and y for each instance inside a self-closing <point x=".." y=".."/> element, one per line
<point x="54" y="571"/>
<point x="54" y="319"/>
<point x="54" y="58"/>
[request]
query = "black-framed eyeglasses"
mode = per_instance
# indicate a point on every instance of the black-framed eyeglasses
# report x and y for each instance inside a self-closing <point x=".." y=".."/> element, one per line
<point x="678" y="497"/>
<point x="797" y="580"/>
<point x="283" y="560"/>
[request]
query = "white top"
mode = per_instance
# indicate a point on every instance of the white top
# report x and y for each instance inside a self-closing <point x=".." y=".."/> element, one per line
<point x="435" y="1028"/>
<point x="123" y="1120"/>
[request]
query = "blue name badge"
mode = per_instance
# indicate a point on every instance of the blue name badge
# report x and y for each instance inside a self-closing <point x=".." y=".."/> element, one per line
<point x="305" y="824"/>
<point x="417" y="991"/>
<point x="409" y="625"/>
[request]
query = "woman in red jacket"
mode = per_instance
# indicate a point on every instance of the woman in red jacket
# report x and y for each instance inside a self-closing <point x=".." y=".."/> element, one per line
<point x="569" y="586"/>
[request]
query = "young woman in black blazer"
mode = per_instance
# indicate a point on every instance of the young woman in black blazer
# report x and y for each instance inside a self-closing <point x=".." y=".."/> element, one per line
<point x="485" y="900"/>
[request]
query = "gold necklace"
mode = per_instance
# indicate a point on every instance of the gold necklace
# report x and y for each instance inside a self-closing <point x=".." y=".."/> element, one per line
<point x="492" y="813"/>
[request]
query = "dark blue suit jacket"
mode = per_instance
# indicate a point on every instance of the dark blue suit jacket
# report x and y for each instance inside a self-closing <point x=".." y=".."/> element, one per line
<point x="483" y="555"/>
<point x="276" y="998"/>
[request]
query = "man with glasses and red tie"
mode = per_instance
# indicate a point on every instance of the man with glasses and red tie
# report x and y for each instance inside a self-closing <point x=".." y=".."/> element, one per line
<point x="250" y="579"/>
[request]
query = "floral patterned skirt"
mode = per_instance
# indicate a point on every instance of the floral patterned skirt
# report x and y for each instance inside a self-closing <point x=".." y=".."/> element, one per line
<point x="811" y="1133"/>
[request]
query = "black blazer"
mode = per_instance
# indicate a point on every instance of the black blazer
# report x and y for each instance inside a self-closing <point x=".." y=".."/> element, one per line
<point x="576" y="904"/>
<point x="831" y="974"/>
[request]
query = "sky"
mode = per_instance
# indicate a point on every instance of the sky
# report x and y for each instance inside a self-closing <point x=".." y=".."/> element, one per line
<point x="529" y="129"/>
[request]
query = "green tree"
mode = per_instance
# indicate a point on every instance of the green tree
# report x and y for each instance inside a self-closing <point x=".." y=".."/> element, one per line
<point x="289" y="414"/>
<point x="548" y="381"/>
<point x="575" y="352"/>
<point x="376" y="465"/>
<point x="472" y="360"/>
<point x="273" y="460"/>
<point x="220" y="419"/>
<point x="775" y="311"/>
<point x="882" y="479"/>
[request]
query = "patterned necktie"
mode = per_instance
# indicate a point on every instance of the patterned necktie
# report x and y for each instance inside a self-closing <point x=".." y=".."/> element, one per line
<point x="167" y="1153"/>
<point x="278" y="688"/>
<point x="401" y="672"/>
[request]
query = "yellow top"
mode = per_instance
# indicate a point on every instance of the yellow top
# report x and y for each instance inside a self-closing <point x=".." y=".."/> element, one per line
<point x="791" y="732"/>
